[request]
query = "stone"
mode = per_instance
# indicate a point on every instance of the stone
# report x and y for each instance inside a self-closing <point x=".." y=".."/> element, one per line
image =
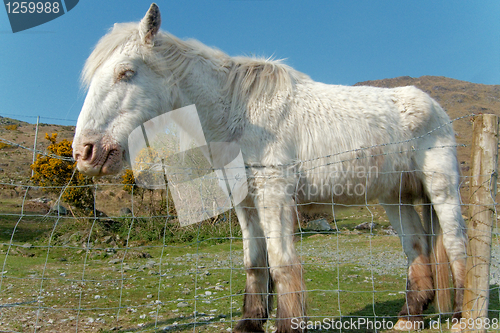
<point x="106" y="239"/>
<point x="99" y="213"/>
<point x="125" y="211"/>
<point x="366" y="226"/>
<point x="59" y="209"/>
<point x="41" y="200"/>
<point x="319" y="225"/>
<point x="390" y="231"/>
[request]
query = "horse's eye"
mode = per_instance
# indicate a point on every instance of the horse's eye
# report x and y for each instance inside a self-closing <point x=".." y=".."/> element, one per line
<point x="124" y="75"/>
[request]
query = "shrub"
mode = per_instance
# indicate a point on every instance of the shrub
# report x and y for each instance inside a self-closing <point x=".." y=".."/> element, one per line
<point x="128" y="180"/>
<point x="167" y="229"/>
<point x="12" y="127"/>
<point x="55" y="174"/>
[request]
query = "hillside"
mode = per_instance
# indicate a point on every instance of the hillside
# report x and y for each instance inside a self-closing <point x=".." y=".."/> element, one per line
<point x="458" y="98"/>
<point x="15" y="161"/>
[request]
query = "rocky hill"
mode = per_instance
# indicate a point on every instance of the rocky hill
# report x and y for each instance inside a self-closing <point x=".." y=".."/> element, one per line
<point x="15" y="160"/>
<point x="458" y="98"/>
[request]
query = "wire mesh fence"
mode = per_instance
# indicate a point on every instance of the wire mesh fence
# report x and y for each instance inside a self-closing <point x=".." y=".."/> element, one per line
<point x="126" y="265"/>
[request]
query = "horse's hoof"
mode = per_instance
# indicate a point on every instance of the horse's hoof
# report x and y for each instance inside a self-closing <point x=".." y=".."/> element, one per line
<point x="408" y="325"/>
<point x="248" y="326"/>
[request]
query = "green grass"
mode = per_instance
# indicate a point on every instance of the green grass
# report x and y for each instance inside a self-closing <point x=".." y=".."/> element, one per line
<point x="69" y="280"/>
<point x="59" y="283"/>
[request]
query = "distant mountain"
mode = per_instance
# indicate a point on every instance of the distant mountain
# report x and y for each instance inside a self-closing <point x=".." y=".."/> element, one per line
<point x="15" y="161"/>
<point x="458" y="98"/>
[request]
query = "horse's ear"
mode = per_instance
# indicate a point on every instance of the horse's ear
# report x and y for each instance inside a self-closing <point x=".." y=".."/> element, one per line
<point x="150" y="24"/>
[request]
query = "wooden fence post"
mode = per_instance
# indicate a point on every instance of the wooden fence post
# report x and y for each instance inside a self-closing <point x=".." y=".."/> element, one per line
<point x="34" y="145"/>
<point x="483" y="189"/>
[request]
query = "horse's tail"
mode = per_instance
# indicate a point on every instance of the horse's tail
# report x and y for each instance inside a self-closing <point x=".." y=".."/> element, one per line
<point x="438" y="259"/>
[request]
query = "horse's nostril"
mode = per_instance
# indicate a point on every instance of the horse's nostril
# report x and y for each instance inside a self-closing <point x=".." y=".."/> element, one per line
<point x="87" y="151"/>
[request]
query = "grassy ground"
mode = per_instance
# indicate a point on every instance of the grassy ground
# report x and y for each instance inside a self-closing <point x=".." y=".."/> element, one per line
<point x="181" y="288"/>
<point x="62" y="288"/>
<point x="61" y="274"/>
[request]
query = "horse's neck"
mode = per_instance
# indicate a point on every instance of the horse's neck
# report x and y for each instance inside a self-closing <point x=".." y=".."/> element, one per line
<point x="203" y="87"/>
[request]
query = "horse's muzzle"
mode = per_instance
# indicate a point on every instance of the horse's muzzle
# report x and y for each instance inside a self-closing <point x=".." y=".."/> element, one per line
<point x="98" y="159"/>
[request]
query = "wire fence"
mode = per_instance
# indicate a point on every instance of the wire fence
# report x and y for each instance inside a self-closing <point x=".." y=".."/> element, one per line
<point x="126" y="265"/>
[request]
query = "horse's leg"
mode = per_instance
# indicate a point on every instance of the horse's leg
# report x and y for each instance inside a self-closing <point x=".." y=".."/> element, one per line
<point x="406" y="221"/>
<point x="278" y="217"/>
<point x="440" y="178"/>
<point x="442" y="189"/>
<point x="257" y="300"/>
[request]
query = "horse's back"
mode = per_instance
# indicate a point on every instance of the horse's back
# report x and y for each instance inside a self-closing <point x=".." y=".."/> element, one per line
<point x="352" y="143"/>
<point x="406" y="112"/>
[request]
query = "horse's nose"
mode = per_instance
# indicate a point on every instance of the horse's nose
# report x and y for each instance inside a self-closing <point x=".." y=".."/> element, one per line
<point x="86" y="153"/>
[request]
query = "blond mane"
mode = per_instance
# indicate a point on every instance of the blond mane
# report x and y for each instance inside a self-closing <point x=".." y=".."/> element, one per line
<point x="248" y="79"/>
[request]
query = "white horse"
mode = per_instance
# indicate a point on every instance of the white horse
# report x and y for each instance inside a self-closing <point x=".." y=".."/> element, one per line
<point x="305" y="145"/>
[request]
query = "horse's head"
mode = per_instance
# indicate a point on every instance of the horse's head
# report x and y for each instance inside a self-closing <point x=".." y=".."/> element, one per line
<point x="125" y="88"/>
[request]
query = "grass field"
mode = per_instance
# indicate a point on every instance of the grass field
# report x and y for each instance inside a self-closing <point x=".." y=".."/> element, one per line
<point x="61" y="274"/>
<point x="60" y="288"/>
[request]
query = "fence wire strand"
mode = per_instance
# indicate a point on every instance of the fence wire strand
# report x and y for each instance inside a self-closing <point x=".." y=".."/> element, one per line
<point x="91" y="272"/>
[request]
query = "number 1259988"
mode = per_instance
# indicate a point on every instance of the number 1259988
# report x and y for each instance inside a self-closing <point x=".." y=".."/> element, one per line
<point x="32" y="7"/>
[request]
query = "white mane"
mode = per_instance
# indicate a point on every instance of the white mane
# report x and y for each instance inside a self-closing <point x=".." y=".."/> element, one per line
<point x="248" y="79"/>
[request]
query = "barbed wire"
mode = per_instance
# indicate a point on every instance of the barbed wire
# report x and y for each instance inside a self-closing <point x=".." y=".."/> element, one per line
<point x="35" y="117"/>
<point x="307" y="160"/>
<point x="14" y="144"/>
<point x="91" y="277"/>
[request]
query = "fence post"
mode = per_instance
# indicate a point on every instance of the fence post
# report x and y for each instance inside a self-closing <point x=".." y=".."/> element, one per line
<point x="34" y="145"/>
<point x="483" y="189"/>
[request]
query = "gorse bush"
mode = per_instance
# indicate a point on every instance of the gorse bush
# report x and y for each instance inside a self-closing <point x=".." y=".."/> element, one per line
<point x="155" y="219"/>
<point x="12" y="127"/>
<point x="128" y="181"/>
<point x="55" y="175"/>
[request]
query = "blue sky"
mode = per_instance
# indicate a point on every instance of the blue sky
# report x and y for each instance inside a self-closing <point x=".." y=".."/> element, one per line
<point x="336" y="42"/>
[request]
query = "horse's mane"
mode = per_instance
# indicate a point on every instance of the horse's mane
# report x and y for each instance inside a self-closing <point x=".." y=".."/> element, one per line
<point x="248" y="78"/>
<point x="119" y="36"/>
